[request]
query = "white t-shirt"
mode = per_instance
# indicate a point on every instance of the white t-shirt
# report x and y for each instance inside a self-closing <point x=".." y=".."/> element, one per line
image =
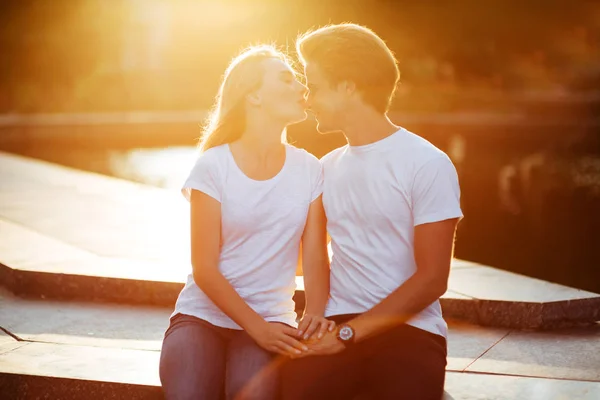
<point x="374" y="195"/>
<point x="261" y="227"/>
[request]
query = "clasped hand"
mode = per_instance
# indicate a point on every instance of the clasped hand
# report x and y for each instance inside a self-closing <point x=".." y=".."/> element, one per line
<point x="315" y="335"/>
<point x="318" y="334"/>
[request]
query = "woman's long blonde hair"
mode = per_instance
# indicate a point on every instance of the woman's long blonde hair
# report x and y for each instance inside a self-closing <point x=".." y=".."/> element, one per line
<point x="227" y="120"/>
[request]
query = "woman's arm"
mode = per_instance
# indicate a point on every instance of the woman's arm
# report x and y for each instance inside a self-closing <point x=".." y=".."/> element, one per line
<point x="315" y="266"/>
<point x="205" y="248"/>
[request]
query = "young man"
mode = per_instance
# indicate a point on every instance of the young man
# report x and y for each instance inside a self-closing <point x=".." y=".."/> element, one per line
<point x="392" y="203"/>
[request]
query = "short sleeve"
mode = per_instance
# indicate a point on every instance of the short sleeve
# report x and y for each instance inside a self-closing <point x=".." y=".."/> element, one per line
<point x="436" y="192"/>
<point x="316" y="179"/>
<point x="204" y="177"/>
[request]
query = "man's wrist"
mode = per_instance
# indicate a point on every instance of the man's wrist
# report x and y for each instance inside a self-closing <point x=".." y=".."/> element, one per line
<point x="361" y="327"/>
<point x="346" y="334"/>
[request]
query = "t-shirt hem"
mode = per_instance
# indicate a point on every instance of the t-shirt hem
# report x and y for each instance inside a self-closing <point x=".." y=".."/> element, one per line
<point x="186" y="190"/>
<point x="316" y="196"/>
<point x="230" y="324"/>
<point x="415" y="323"/>
<point x="212" y="319"/>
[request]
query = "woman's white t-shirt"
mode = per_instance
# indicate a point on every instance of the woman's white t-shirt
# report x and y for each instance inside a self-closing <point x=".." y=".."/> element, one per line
<point x="261" y="227"/>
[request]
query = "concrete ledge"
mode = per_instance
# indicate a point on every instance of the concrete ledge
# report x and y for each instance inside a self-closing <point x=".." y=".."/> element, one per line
<point x="72" y="350"/>
<point x="493" y="313"/>
<point x="27" y="387"/>
<point x="460" y="385"/>
<point x="523" y="315"/>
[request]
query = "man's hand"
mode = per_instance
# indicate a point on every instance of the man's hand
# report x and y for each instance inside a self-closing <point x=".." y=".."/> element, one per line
<point x="312" y="324"/>
<point x="328" y="344"/>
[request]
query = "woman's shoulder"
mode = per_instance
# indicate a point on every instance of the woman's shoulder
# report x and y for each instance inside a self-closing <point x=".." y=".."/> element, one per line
<point x="209" y="162"/>
<point x="217" y="151"/>
<point x="214" y="155"/>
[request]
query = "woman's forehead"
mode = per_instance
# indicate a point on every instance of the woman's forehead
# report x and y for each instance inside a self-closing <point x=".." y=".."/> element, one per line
<point x="277" y="66"/>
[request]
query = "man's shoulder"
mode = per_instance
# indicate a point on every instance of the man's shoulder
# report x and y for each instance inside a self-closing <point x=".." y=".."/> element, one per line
<point x="419" y="150"/>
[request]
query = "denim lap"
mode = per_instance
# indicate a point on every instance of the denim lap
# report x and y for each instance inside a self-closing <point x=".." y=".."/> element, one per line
<point x="251" y="370"/>
<point x="188" y="348"/>
<point x="200" y="360"/>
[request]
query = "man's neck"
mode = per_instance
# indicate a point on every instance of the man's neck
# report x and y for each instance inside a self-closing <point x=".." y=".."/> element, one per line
<point x="367" y="126"/>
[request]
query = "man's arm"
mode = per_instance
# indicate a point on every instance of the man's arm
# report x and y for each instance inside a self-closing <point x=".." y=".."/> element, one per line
<point x="434" y="245"/>
<point x="436" y="211"/>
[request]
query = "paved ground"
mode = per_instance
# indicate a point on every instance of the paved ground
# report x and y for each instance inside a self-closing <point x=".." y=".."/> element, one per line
<point x="121" y="344"/>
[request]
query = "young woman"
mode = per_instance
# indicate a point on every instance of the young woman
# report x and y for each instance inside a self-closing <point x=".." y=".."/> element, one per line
<point x="254" y="200"/>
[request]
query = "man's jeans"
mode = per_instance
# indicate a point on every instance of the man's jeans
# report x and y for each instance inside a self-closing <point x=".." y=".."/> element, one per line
<point x="402" y="363"/>
<point x="202" y="361"/>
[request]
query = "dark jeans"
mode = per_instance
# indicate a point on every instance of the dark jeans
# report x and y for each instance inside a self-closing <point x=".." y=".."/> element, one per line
<point x="402" y="363"/>
<point x="202" y="361"/>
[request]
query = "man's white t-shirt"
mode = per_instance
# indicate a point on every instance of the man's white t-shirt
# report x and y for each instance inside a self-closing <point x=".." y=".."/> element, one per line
<point x="261" y="227"/>
<point x="374" y="195"/>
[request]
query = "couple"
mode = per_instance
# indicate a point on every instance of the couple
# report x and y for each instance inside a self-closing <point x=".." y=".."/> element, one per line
<point x="389" y="201"/>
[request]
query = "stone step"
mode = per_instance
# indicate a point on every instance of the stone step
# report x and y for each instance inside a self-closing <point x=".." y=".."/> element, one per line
<point x="527" y="304"/>
<point x="40" y="370"/>
<point x="54" y="349"/>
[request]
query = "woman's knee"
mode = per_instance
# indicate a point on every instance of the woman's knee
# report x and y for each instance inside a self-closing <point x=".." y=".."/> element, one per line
<point x="192" y="363"/>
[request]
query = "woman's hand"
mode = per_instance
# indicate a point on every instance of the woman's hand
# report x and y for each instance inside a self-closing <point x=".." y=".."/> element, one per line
<point x="278" y="338"/>
<point x="312" y="324"/>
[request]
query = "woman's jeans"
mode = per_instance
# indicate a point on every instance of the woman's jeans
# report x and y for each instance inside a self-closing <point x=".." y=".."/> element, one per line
<point x="202" y="361"/>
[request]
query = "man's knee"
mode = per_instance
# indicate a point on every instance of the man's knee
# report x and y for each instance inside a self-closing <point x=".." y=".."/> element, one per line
<point x="262" y="383"/>
<point x="252" y="373"/>
<point x="325" y="377"/>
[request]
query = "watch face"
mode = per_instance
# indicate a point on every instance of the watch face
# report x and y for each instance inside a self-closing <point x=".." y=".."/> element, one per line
<point x="346" y="333"/>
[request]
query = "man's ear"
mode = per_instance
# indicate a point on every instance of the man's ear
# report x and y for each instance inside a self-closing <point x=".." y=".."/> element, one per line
<point x="348" y="87"/>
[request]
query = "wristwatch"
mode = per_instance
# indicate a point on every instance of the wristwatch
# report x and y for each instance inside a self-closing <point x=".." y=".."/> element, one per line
<point x="345" y="334"/>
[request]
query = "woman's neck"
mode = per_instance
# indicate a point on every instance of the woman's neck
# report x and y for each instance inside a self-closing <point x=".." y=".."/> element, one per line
<point x="261" y="138"/>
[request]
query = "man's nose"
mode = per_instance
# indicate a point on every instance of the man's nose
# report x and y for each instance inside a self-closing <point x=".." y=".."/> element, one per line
<point x="303" y="90"/>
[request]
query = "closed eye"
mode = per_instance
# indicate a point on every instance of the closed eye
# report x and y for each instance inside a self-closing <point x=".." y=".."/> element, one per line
<point x="287" y="77"/>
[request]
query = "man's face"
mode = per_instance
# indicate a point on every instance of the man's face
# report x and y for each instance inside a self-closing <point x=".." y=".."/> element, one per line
<point x="326" y="102"/>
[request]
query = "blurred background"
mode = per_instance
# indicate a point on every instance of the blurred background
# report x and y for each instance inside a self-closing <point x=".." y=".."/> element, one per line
<point x="509" y="89"/>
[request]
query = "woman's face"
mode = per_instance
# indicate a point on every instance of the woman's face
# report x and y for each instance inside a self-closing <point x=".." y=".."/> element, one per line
<point x="281" y="96"/>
